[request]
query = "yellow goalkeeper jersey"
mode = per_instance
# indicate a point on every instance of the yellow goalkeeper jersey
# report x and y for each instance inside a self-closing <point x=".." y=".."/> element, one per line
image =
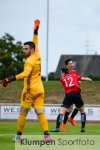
<point x="32" y="71"/>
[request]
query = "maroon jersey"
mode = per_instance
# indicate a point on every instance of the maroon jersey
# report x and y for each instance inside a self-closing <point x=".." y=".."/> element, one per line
<point x="70" y="82"/>
<point x="74" y="72"/>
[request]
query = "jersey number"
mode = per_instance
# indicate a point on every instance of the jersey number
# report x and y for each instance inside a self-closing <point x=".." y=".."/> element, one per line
<point x="70" y="83"/>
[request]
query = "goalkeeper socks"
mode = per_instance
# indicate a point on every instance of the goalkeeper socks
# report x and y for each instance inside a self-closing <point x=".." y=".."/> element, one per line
<point x="74" y="113"/>
<point x="43" y="121"/>
<point x="59" y="120"/>
<point x="83" y="119"/>
<point x="19" y="133"/>
<point x="66" y="117"/>
<point x="46" y="133"/>
<point x="21" y="122"/>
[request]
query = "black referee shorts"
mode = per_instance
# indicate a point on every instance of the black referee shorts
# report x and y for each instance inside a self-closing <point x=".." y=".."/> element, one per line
<point x="72" y="98"/>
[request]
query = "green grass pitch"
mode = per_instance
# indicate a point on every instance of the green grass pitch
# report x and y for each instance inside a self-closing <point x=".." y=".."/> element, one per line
<point x="8" y="130"/>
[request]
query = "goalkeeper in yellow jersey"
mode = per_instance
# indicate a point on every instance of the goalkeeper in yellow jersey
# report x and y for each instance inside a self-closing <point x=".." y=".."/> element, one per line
<point x="33" y="91"/>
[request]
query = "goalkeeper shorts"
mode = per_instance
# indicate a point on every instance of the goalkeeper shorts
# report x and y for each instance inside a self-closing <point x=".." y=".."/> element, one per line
<point x="36" y="101"/>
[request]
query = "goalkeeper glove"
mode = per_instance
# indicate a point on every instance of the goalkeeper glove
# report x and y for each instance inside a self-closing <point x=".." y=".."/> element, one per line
<point x="6" y="81"/>
<point x="36" y="26"/>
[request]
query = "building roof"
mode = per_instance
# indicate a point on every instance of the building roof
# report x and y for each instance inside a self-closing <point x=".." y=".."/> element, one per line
<point x="84" y="64"/>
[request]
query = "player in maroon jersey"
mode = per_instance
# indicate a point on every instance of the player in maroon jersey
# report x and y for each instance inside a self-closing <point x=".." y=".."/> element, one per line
<point x="72" y="96"/>
<point x="69" y="64"/>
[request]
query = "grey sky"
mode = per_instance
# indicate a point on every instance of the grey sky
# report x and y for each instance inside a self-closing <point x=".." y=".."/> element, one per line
<point x="72" y="22"/>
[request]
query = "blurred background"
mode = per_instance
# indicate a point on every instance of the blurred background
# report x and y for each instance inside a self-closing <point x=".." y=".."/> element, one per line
<point x="67" y="28"/>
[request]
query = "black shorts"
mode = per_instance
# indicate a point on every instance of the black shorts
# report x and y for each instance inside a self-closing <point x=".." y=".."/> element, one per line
<point x="72" y="98"/>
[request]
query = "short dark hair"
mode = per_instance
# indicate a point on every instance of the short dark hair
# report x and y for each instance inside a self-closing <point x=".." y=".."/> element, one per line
<point x="65" y="70"/>
<point x="67" y="60"/>
<point x="30" y="43"/>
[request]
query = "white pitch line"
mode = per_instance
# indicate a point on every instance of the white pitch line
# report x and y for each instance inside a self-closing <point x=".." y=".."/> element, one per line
<point x="15" y="134"/>
<point x="89" y="133"/>
<point x="6" y="134"/>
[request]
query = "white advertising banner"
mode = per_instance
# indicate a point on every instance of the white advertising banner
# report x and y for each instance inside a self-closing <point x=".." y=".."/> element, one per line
<point x="51" y="112"/>
<point x="12" y="112"/>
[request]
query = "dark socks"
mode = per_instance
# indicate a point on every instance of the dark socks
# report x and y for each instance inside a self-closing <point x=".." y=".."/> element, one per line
<point x="19" y="133"/>
<point x="83" y="119"/>
<point x="66" y="117"/>
<point x="59" y="120"/>
<point x="74" y="113"/>
<point x="46" y="133"/>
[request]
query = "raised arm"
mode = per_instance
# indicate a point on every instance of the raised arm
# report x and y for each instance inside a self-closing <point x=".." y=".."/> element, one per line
<point x="35" y="34"/>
